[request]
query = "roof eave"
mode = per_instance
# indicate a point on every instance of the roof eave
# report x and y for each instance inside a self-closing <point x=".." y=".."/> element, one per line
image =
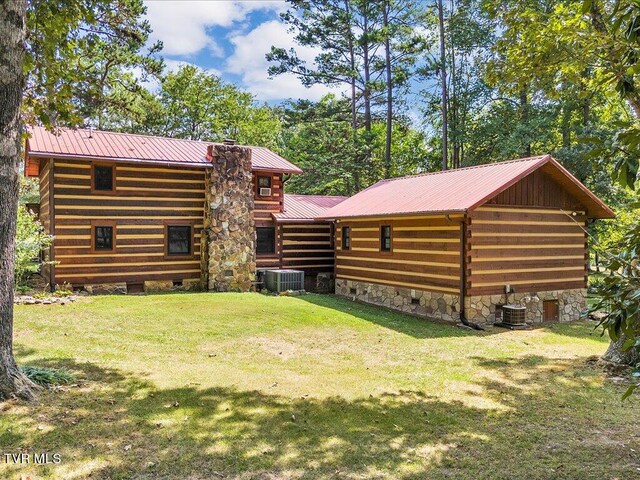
<point x="90" y="158"/>
<point x="545" y="159"/>
<point x="293" y="170"/>
<point x="601" y="210"/>
<point x="203" y="164"/>
<point x="301" y="220"/>
<point x="598" y="208"/>
<point x="396" y="214"/>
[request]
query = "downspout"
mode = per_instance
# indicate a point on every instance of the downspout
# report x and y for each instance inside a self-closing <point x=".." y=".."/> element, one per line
<point x="285" y="178"/>
<point x="463" y="275"/>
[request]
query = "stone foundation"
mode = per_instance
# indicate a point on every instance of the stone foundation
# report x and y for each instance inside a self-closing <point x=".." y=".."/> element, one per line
<point x="478" y="309"/>
<point x="107" y="289"/>
<point x="571" y="304"/>
<point x="192" y="285"/>
<point x="440" y="306"/>
<point x="189" y="284"/>
<point x="325" y="282"/>
<point x="228" y="261"/>
<point x="151" y="286"/>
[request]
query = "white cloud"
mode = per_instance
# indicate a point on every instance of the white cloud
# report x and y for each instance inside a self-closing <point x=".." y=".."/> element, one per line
<point x="182" y="25"/>
<point x="249" y="62"/>
<point x="185" y="28"/>
<point x="172" y="65"/>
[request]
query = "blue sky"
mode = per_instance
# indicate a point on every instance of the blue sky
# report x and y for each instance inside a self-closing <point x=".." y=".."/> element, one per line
<point x="229" y="38"/>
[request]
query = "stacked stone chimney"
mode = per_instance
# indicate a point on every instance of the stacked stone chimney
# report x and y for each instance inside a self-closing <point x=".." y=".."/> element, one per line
<point x="229" y="263"/>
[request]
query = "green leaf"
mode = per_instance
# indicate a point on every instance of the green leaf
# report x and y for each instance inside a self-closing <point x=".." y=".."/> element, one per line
<point x="629" y="392"/>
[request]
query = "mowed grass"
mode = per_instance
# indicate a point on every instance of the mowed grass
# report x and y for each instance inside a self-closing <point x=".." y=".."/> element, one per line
<point x="206" y="386"/>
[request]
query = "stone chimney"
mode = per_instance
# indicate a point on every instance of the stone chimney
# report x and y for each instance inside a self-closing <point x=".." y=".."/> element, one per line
<point x="229" y="262"/>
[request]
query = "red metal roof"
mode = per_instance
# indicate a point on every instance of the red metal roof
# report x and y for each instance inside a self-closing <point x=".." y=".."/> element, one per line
<point x="306" y="207"/>
<point x="101" y="145"/>
<point x="458" y="190"/>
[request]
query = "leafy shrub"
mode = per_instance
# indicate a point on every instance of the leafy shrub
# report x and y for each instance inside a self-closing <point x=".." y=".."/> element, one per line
<point x="58" y="293"/>
<point x="619" y="294"/>
<point x="596" y="283"/>
<point x="31" y="239"/>
<point x="47" y="376"/>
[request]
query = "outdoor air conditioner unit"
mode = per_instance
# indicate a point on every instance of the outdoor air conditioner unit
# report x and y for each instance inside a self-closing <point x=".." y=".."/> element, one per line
<point x="283" y="280"/>
<point x="265" y="192"/>
<point x="514" y="314"/>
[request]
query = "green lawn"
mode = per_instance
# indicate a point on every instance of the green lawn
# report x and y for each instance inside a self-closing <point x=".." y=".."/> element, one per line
<point x="206" y="386"/>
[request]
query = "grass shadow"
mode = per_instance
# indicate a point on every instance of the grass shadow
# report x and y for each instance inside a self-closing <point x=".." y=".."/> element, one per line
<point x="548" y="416"/>
<point x="578" y="329"/>
<point x="411" y="325"/>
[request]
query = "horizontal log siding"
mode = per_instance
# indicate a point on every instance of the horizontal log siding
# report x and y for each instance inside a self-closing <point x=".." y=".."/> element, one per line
<point x="44" y="214"/>
<point x="532" y="249"/>
<point x="425" y="253"/>
<point x="265" y="207"/>
<point x="307" y="247"/>
<point x="145" y="197"/>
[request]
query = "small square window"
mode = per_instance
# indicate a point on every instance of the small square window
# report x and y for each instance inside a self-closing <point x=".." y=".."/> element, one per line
<point x="266" y="240"/>
<point x="178" y="239"/>
<point x="103" y="178"/>
<point x="346" y="238"/>
<point x="264" y="182"/>
<point x="103" y="238"/>
<point x="385" y="238"/>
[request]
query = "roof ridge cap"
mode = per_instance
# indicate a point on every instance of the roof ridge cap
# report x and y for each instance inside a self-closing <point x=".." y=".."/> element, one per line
<point x="144" y="135"/>
<point x="161" y="137"/>
<point x="471" y="167"/>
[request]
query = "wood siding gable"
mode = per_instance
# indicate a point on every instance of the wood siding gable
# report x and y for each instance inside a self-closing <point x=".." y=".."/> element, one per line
<point x="532" y="236"/>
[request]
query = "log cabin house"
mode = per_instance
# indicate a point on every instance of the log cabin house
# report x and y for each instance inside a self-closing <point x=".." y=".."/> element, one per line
<point x="135" y="212"/>
<point x="460" y="244"/>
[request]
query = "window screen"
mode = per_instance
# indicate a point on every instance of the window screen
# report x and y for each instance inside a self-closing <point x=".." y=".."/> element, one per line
<point x="266" y="237"/>
<point x="179" y="239"/>
<point x="346" y="238"/>
<point x="385" y="238"/>
<point x="102" y="178"/>
<point x="103" y="238"/>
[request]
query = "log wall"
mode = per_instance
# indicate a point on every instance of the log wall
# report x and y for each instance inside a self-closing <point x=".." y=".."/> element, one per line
<point x="146" y="198"/>
<point x="44" y="213"/>
<point x="307" y="246"/>
<point x="531" y="249"/>
<point x="264" y="208"/>
<point x="425" y="253"/>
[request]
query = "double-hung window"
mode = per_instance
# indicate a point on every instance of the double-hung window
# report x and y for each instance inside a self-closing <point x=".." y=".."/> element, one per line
<point x="346" y="238"/>
<point x="385" y="238"/>
<point x="179" y="240"/>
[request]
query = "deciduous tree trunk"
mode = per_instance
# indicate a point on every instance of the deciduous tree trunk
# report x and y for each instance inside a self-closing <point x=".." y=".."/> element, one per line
<point x="524" y="116"/>
<point x="12" y="51"/>
<point x="615" y="354"/>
